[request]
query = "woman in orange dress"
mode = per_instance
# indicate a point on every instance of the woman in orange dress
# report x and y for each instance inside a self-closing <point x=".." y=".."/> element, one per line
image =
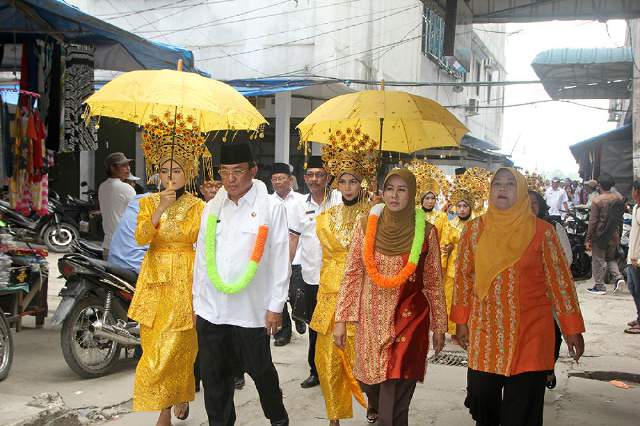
<point x="392" y="292"/>
<point x="510" y="279"/>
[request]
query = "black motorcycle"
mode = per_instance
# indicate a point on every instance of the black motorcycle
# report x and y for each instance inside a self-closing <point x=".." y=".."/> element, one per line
<point x="85" y="213"/>
<point x="93" y="313"/>
<point x="6" y="346"/>
<point x="55" y="229"/>
<point x="576" y="224"/>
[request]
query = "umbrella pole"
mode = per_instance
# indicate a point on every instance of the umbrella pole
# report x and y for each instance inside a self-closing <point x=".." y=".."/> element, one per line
<point x="173" y="142"/>
<point x="380" y="147"/>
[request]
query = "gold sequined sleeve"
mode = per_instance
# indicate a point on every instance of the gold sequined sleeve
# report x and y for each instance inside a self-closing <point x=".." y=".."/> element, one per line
<point x="145" y="231"/>
<point x="560" y="285"/>
<point x="465" y="271"/>
<point x="348" y="305"/>
<point x="433" y="287"/>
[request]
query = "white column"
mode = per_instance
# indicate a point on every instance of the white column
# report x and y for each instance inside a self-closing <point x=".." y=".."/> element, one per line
<point x="87" y="171"/>
<point x="283" y="121"/>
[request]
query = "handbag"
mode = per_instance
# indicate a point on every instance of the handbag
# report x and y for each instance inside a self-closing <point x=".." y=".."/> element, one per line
<point x="300" y="307"/>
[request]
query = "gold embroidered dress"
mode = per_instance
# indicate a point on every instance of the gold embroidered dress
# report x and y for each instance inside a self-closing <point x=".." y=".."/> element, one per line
<point x="451" y="236"/>
<point x="163" y="304"/>
<point x="334" y="228"/>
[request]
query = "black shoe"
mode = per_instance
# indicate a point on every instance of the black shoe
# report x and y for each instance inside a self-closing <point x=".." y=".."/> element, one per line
<point x="284" y="422"/>
<point x="310" y="382"/>
<point x="301" y="327"/>
<point x="238" y="382"/>
<point x="597" y="290"/>
<point x="197" y="387"/>
<point x="281" y="341"/>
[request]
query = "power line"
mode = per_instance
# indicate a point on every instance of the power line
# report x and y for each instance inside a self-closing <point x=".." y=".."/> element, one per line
<point x="242" y="40"/>
<point x="308" y="37"/>
<point x="217" y="22"/>
<point x="168" y="6"/>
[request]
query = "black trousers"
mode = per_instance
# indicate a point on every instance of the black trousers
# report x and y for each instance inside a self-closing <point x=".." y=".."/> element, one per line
<point x="294" y="283"/>
<point x="218" y="345"/>
<point x="493" y="399"/>
<point x="311" y="294"/>
<point x="391" y="400"/>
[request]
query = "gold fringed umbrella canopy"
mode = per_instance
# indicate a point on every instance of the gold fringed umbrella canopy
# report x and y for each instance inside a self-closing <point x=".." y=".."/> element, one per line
<point x="398" y="121"/>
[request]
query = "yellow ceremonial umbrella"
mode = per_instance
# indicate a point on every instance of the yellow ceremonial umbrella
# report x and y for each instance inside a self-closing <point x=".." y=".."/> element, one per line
<point x="139" y="96"/>
<point x="397" y="121"/>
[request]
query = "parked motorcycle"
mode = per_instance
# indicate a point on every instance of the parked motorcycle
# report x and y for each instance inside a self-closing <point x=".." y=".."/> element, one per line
<point x="93" y="314"/>
<point x="85" y="213"/>
<point x="576" y="224"/>
<point x="6" y="346"/>
<point x="55" y="230"/>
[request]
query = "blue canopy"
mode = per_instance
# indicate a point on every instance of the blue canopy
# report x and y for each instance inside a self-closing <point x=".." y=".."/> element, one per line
<point x="266" y="87"/>
<point x="116" y="49"/>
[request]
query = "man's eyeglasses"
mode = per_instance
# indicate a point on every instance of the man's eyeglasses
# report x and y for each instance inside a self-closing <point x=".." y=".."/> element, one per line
<point x="226" y="174"/>
<point x="317" y="175"/>
<point x="279" y="179"/>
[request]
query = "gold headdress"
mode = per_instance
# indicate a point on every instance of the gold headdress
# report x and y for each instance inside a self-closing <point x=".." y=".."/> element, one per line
<point x="535" y="182"/>
<point x="429" y="178"/>
<point x="158" y="145"/>
<point x="353" y="152"/>
<point x="471" y="187"/>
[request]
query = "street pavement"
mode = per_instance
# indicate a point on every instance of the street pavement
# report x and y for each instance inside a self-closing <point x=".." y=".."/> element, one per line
<point x="39" y="368"/>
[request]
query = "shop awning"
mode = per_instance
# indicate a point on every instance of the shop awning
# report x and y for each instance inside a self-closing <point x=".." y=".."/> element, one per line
<point x="116" y="49"/>
<point x="267" y="87"/>
<point x="503" y="11"/>
<point x="599" y="73"/>
<point x="609" y="153"/>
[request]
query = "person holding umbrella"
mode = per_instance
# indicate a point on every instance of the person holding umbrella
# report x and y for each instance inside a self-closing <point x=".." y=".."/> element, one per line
<point x="169" y="222"/>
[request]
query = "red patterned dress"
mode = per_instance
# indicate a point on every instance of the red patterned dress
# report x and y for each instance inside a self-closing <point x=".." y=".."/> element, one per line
<point x="392" y="334"/>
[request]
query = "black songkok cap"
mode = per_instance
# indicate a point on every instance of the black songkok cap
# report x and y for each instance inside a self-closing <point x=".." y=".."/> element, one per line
<point x="315" y="162"/>
<point x="460" y="171"/>
<point x="281" y="168"/>
<point x="235" y="153"/>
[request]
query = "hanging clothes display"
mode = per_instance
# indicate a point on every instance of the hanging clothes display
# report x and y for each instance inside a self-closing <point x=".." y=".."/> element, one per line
<point x="78" y="86"/>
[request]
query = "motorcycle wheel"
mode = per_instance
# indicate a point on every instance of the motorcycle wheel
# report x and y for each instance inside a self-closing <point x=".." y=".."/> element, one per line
<point x="87" y="355"/>
<point x="58" y="238"/>
<point x="6" y="347"/>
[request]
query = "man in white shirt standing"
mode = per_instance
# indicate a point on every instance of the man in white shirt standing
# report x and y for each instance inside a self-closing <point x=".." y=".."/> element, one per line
<point x="557" y="200"/>
<point x="303" y="233"/>
<point x="114" y="195"/>
<point x="293" y="201"/>
<point x="240" y="283"/>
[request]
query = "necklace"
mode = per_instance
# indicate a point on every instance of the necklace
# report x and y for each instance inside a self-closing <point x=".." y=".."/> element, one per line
<point x="212" y="266"/>
<point x="341" y="220"/>
<point x="396" y="280"/>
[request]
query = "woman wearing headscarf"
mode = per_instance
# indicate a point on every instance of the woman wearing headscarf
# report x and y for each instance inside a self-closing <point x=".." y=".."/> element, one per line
<point x="510" y="280"/>
<point x="392" y="291"/>
<point x="334" y="228"/>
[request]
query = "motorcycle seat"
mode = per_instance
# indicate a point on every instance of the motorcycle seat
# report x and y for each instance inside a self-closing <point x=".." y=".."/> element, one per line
<point x="126" y="274"/>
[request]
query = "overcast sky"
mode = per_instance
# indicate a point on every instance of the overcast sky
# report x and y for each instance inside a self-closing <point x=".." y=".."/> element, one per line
<point x="542" y="133"/>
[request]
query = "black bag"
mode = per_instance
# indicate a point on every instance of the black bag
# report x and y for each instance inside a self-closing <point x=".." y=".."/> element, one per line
<point x="300" y="307"/>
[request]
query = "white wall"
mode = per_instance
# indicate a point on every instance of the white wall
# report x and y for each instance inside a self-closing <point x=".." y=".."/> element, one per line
<point x="363" y="39"/>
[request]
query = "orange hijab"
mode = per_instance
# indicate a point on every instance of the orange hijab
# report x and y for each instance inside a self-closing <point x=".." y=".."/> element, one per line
<point x="505" y="237"/>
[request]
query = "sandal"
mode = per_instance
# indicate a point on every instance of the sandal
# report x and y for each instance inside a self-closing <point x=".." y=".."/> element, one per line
<point x="372" y="415"/>
<point x="551" y="381"/>
<point x="633" y="330"/>
<point x="185" y="415"/>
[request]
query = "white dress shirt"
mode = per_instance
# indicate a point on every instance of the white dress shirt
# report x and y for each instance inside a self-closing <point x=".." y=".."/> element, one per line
<point x="235" y="238"/>
<point x="293" y="204"/>
<point x="114" y="196"/>
<point x="555" y="199"/>
<point x="308" y="243"/>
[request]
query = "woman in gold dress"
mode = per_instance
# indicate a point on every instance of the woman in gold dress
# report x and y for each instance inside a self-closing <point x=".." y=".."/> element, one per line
<point x="335" y="229"/>
<point x="169" y="222"/>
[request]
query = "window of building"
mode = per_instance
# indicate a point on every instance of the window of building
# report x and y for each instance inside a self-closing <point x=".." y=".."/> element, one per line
<point x="433" y="37"/>
<point x="489" y="80"/>
<point x="477" y="72"/>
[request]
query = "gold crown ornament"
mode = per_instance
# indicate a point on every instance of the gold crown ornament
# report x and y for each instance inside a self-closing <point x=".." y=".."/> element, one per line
<point x="472" y="187"/>
<point x="351" y="151"/>
<point x="535" y="182"/>
<point x="159" y="145"/>
<point x="429" y="178"/>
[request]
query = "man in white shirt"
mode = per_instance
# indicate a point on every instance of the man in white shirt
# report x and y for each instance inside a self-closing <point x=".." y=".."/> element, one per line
<point x="241" y="276"/>
<point x="557" y="200"/>
<point x="284" y="193"/>
<point x="114" y="195"/>
<point x="303" y="233"/>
